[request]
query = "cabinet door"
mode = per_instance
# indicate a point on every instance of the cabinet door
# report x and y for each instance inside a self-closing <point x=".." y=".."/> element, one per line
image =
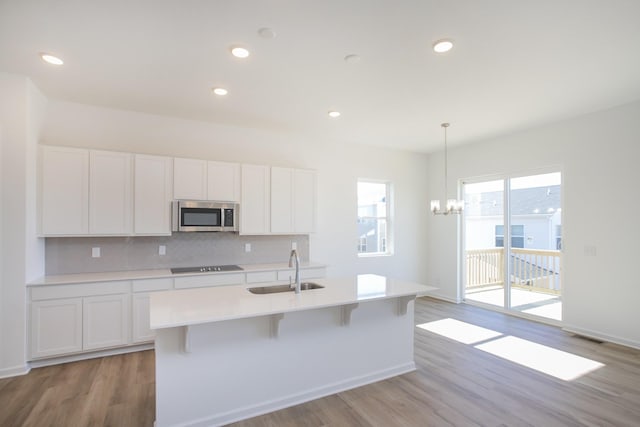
<point x="153" y="188"/>
<point x="140" y="330"/>
<point x="304" y="201"/>
<point x="255" y="200"/>
<point x="223" y="181"/>
<point x="105" y="321"/>
<point x="189" y="179"/>
<point x="110" y="193"/>
<point x="64" y="191"/>
<point x="282" y="200"/>
<point x="56" y="327"/>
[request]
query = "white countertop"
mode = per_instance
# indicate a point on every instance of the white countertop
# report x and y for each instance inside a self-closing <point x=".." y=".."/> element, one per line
<point x="64" y="279"/>
<point x="205" y="305"/>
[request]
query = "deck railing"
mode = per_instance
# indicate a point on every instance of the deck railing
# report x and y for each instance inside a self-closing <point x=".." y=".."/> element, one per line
<point x="534" y="269"/>
<point x="485" y="267"/>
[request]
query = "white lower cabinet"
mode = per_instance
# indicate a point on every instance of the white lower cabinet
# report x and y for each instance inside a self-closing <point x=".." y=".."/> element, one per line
<point x="140" y="330"/>
<point x="75" y="318"/>
<point x="105" y="321"/>
<point x="56" y="327"/>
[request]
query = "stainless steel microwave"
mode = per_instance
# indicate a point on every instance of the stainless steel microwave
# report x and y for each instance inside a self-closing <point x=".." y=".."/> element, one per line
<point x="201" y="215"/>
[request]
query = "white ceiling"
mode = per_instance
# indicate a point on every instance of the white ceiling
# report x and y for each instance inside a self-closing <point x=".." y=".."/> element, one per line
<point x="515" y="64"/>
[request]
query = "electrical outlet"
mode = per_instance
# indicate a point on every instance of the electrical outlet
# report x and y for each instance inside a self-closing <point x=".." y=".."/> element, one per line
<point x="95" y="252"/>
<point x="162" y="250"/>
<point x="247" y="247"/>
<point x="590" y="250"/>
<point x="294" y="246"/>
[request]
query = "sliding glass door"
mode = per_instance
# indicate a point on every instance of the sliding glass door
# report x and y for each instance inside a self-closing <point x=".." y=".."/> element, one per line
<point x="513" y="242"/>
<point x="483" y="239"/>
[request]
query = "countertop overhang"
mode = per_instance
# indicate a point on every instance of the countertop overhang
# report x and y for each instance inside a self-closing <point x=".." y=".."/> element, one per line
<point x="188" y="307"/>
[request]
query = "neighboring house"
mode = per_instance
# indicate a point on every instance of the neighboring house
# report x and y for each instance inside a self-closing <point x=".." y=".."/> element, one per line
<point x="535" y="224"/>
<point x="535" y="219"/>
<point x="371" y="231"/>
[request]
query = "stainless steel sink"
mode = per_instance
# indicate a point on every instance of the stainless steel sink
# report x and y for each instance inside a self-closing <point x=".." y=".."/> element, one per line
<point x="304" y="286"/>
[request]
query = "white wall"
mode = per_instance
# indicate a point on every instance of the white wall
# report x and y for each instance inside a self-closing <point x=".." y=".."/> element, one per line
<point x="338" y="168"/>
<point x="2" y="238"/>
<point x="21" y="108"/>
<point x="598" y="155"/>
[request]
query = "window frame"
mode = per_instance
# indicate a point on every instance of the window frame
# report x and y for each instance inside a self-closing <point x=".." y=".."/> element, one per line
<point x="384" y="241"/>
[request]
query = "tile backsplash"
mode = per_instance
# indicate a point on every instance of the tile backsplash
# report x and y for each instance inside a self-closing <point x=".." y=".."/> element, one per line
<point x="67" y="255"/>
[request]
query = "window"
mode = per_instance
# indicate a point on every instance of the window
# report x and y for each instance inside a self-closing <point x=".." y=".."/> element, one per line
<point x="373" y="218"/>
<point x="517" y="236"/>
<point x="362" y="245"/>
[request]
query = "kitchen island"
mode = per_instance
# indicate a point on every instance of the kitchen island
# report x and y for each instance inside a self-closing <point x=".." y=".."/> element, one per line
<point x="224" y="354"/>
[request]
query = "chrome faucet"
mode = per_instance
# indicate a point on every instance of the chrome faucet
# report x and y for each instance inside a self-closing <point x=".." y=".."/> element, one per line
<point x="292" y="257"/>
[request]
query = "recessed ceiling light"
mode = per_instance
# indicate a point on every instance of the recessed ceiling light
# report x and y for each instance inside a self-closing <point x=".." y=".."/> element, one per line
<point x="334" y="114"/>
<point x="266" y="33"/>
<point x="442" y="46"/>
<point x="220" y="91"/>
<point x="239" y="52"/>
<point x="53" y="60"/>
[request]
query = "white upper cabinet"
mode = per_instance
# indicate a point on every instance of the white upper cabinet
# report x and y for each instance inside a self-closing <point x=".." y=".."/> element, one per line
<point x="255" y="201"/>
<point x="223" y="181"/>
<point x="206" y="180"/>
<point x="293" y="200"/>
<point x="64" y="191"/>
<point x="153" y="185"/>
<point x="102" y="193"/>
<point x="282" y="200"/>
<point x="189" y="179"/>
<point x="110" y="193"/>
<point x="304" y="201"/>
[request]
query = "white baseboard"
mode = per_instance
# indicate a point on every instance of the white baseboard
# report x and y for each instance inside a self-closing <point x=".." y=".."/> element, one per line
<point x="443" y="298"/>
<point x="84" y="356"/>
<point x="600" y="336"/>
<point x="14" y="371"/>
<point x="296" y="399"/>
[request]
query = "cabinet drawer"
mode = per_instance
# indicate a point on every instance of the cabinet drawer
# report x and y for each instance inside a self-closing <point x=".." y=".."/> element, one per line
<point x="208" y="280"/>
<point x="150" y="285"/>
<point x="285" y="274"/>
<point x="307" y="273"/>
<point x="262" y="277"/>
<point x="312" y="273"/>
<point x="46" y="292"/>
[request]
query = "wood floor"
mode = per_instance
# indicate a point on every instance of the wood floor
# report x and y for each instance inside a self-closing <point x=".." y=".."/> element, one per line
<point x="455" y="385"/>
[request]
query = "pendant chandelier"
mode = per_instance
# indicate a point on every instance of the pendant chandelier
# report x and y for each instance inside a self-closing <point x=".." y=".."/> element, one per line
<point x="453" y="206"/>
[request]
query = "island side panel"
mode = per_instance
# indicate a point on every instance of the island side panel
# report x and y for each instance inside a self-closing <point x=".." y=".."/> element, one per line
<point x="237" y="370"/>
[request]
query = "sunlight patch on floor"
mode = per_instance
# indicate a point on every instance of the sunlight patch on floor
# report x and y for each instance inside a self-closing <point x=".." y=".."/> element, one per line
<point x="457" y="330"/>
<point x="541" y="358"/>
<point x="548" y="360"/>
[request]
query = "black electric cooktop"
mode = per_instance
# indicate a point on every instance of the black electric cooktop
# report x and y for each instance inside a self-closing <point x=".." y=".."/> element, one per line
<point x="206" y="269"/>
